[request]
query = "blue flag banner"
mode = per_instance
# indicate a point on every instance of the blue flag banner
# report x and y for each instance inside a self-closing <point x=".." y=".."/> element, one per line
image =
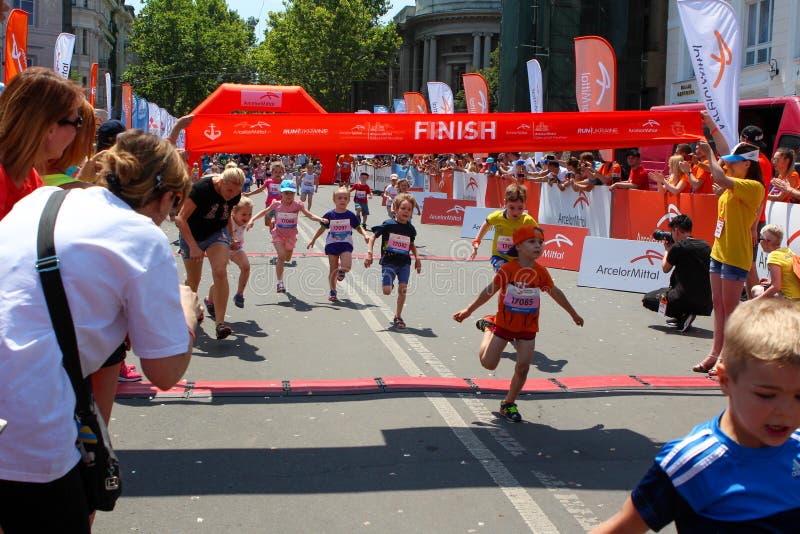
<point x="399" y="105"/>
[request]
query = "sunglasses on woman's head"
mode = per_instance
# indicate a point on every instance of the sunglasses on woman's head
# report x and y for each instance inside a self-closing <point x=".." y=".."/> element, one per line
<point x="75" y="123"/>
<point x="176" y="200"/>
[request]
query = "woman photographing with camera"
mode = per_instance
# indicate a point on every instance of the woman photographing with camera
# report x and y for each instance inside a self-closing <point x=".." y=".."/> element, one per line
<point x="115" y="263"/>
<point x="742" y="191"/>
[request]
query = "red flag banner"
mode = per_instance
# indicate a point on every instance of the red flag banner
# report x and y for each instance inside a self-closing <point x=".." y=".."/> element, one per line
<point x="476" y="92"/>
<point x="595" y="77"/>
<point x="415" y="103"/>
<point x="93" y="84"/>
<point x="127" y="104"/>
<point x="16" y="44"/>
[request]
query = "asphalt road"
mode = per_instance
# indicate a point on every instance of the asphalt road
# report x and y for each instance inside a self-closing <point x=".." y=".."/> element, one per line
<point x="401" y="462"/>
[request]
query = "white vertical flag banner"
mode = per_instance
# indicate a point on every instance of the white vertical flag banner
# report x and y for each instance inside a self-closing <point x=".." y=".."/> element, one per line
<point x="154" y="120"/>
<point x="440" y="97"/>
<point x="108" y="94"/>
<point x="62" y="57"/>
<point x="715" y="47"/>
<point x="535" y="85"/>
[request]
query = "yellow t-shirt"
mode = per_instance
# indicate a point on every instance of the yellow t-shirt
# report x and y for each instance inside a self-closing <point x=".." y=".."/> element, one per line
<point x="738" y="209"/>
<point x="790" y="285"/>
<point x="504" y="229"/>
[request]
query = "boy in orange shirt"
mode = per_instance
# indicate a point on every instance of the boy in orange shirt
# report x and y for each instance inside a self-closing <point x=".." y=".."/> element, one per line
<point x="519" y="283"/>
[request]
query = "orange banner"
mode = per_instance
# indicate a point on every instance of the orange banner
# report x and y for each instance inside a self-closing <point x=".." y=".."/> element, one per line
<point x="93" y="84"/>
<point x="127" y="104"/>
<point x="637" y="213"/>
<point x="476" y="92"/>
<point x="16" y="44"/>
<point x="415" y="103"/>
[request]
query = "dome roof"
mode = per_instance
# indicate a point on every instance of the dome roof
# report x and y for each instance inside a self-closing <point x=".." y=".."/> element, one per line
<point x="426" y="7"/>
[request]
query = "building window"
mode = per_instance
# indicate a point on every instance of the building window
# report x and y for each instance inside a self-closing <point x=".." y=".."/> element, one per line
<point x="84" y="40"/>
<point x="758" y="46"/>
<point x="29" y="6"/>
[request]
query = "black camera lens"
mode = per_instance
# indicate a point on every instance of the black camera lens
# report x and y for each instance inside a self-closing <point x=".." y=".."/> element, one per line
<point x="661" y="235"/>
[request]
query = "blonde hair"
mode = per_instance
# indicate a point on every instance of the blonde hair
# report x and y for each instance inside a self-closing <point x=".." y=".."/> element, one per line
<point x="764" y="330"/>
<point x="275" y="165"/>
<point x="82" y="145"/>
<point x="673" y="163"/>
<point x="231" y="165"/>
<point x="404" y="197"/>
<point x="142" y="167"/>
<point x="233" y="175"/>
<point x="774" y="229"/>
<point x="516" y="192"/>
<point x="341" y="190"/>
<point x="244" y="202"/>
<point x="32" y="102"/>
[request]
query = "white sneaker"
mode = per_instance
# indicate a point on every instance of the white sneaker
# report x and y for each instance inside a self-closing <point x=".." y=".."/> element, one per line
<point x="281" y="288"/>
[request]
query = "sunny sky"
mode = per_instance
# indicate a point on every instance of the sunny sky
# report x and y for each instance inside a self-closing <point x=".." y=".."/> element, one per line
<point x="260" y="8"/>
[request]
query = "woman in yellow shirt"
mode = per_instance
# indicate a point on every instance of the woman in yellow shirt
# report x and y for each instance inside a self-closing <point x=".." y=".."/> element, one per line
<point x="742" y="192"/>
<point x="782" y="279"/>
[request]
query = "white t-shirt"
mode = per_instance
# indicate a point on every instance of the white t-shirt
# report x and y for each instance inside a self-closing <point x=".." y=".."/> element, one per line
<point x="120" y="277"/>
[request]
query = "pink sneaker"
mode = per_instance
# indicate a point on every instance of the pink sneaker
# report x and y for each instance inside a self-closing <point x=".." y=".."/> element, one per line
<point x="127" y="373"/>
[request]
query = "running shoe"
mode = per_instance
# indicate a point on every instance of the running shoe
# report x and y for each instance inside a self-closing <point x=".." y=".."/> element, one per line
<point x="673" y="321"/>
<point x="509" y="411"/>
<point x="127" y="373"/>
<point x="485" y="322"/>
<point x="280" y="288"/>
<point x="364" y="226"/>
<point x="209" y="307"/>
<point x="223" y="331"/>
<point x="332" y="296"/>
<point x="340" y="275"/>
<point x="238" y="300"/>
<point x="399" y="323"/>
<point x="687" y="323"/>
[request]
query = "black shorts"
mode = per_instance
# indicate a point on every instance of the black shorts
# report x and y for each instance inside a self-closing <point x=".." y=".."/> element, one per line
<point x="57" y="506"/>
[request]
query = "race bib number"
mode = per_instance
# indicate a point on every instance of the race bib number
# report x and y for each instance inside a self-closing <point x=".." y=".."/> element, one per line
<point x="361" y="196"/>
<point x="286" y="220"/>
<point x="504" y="243"/>
<point x="340" y="229"/>
<point x="399" y="244"/>
<point x="274" y="189"/>
<point x="718" y="229"/>
<point x="522" y="299"/>
<point x="346" y="165"/>
<point x="662" y="306"/>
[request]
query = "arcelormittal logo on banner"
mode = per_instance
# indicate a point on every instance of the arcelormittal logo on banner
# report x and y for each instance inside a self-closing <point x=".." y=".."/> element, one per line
<point x="262" y="99"/>
<point x="714" y="40"/>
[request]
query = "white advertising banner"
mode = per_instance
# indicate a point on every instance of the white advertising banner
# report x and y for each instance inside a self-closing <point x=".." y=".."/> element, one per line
<point x="473" y="219"/>
<point x="440" y="97"/>
<point x="62" y="58"/>
<point x="622" y="264"/>
<point x="535" y="85"/>
<point x="715" y="48"/>
<point x="108" y="94"/>
<point x="787" y="216"/>
<point x="590" y="210"/>
<point x="154" y="121"/>
<point x="470" y="186"/>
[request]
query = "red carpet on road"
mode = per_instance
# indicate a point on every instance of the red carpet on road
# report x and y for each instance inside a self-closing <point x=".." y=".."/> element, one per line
<point x="398" y="384"/>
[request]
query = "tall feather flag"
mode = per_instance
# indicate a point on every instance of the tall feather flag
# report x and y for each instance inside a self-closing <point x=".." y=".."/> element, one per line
<point x="536" y="93"/>
<point x="108" y="94"/>
<point x="476" y="92"/>
<point x="595" y="78"/>
<point x="16" y="44"/>
<point x="93" y="85"/>
<point x="715" y="48"/>
<point x="127" y="105"/>
<point x="415" y="102"/>
<point x="62" y="56"/>
<point x="441" y="97"/>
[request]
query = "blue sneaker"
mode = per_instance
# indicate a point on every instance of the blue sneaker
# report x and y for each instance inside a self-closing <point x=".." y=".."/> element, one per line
<point x="238" y="300"/>
<point x="209" y="307"/>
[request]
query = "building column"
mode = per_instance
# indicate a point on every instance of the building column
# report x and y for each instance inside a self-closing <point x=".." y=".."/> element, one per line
<point x="414" y="67"/>
<point x="433" y="61"/>
<point x="476" y="51"/>
<point x="402" y="74"/>
<point x="487" y="49"/>
<point x="426" y="48"/>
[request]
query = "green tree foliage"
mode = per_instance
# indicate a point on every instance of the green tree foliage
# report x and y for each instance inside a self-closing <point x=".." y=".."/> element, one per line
<point x="185" y="48"/>
<point x="325" y="45"/>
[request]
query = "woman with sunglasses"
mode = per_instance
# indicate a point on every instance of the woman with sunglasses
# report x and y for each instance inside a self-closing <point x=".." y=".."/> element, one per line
<point x="115" y="265"/>
<point x="38" y="119"/>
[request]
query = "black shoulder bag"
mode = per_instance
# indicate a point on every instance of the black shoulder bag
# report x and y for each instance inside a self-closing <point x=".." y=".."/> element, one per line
<point x="99" y="466"/>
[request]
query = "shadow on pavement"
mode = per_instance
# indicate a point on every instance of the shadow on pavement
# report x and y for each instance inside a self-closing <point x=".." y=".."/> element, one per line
<point x="540" y="361"/>
<point x="695" y="332"/>
<point x="235" y="344"/>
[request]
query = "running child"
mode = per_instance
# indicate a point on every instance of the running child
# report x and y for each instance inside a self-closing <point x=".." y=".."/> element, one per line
<point x="397" y="244"/>
<point x="284" y="228"/>
<point x="309" y="184"/>
<point x="404" y="187"/>
<point x="362" y="193"/>
<point x="240" y="217"/>
<point x="389" y="193"/>
<point x="273" y="186"/>
<point x="520" y="283"/>
<point x="339" y="242"/>
<point x="505" y="222"/>
<point x="740" y="471"/>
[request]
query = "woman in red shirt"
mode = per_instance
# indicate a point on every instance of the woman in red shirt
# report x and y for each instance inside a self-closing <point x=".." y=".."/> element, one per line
<point x="38" y="119"/>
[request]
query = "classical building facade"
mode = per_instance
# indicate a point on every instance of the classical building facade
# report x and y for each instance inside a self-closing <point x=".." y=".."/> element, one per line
<point x="770" y="51"/>
<point x="443" y="39"/>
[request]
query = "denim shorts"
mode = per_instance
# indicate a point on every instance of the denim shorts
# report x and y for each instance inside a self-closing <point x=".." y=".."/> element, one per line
<point x="727" y="272"/>
<point x="363" y="206"/>
<point x="390" y="271"/>
<point x="220" y="237"/>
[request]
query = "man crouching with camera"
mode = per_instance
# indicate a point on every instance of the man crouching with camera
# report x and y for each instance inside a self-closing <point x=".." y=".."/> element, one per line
<point x="689" y="291"/>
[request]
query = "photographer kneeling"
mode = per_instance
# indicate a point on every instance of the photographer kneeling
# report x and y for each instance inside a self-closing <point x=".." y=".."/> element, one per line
<point x="689" y="291"/>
